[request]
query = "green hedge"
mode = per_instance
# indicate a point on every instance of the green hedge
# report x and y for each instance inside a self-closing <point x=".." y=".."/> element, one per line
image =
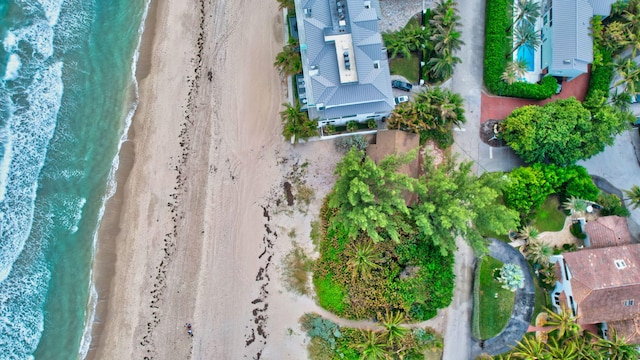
<point x="497" y="44"/>
<point x="601" y="75"/>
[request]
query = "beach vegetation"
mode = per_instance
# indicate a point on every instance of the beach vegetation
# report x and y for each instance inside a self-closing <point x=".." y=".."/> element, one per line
<point x="611" y="205"/>
<point x="345" y="143"/>
<point x="296" y="124"/>
<point x="380" y="252"/>
<point x="297" y="267"/>
<point x="432" y="113"/>
<point x="393" y="341"/>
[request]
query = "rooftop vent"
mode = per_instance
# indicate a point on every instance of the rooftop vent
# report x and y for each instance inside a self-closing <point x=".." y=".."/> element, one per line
<point x="307" y="12"/>
<point x="376" y="64"/>
<point x="620" y="264"/>
<point x="367" y="4"/>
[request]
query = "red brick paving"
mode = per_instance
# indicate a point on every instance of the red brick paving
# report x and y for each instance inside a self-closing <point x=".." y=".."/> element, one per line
<point x="499" y="107"/>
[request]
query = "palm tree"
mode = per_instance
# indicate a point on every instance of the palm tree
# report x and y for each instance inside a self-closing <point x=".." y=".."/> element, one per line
<point x="288" y="61"/>
<point x="633" y="196"/>
<point x="539" y="252"/>
<point x="575" y="206"/>
<point x="296" y="123"/>
<point x="393" y="332"/>
<point x="397" y="43"/>
<point x="528" y="233"/>
<point x="372" y="348"/>
<point x="363" y="257"/>
<point x="526" y="11"/>
<point x="616" y="348"/>
<point x="621" y="100"/>
<point x="443" y="64"/>
<point x="514" y="71"/>
<point x="629" y="73"/>
<point x="446" y="39"/>
<point x="286" y="4"/>
<point x="445" y="15"/>
<point x="565" y="323"/>
<point x="526" y="35"/>
<point x="530" y="348"/>
<point x="565" y="350"/>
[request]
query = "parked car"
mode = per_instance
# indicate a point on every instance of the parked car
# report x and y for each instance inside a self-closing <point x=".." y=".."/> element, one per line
<point x="401" y="85"/>
<point x="401" y="99"/>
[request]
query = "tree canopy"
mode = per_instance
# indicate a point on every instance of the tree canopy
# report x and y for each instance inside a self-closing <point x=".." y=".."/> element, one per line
<point x="562" y="132"/>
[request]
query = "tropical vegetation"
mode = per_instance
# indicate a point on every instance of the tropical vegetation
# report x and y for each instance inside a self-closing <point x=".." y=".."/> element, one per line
<point x="511" y="277"/>
<point x="500" y="28"/>
<point x="393" y="341"/>
<point x="567" y="340"/>
<point x="562" y="132"/>
<point x="288" y="61"/>
<point x="432" y="114"/>
<point x="388" y="239"/>
<point x="435" y="44"/>
<point x="296" y="124"/>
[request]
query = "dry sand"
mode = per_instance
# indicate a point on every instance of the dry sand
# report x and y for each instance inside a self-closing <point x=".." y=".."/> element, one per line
<point x="195" y="233"/>
<point x="200" y="221"/>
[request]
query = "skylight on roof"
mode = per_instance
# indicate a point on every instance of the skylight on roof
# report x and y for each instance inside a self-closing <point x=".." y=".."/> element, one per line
<point x="620" y="264"/>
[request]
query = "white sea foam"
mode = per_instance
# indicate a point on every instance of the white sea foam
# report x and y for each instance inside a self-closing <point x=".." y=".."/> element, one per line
<point x="51" y="10"/>
<point x="5" y="161"/>
<point x="111" y="188"/>
<point x="13" y="67"/>
<point x="31" y="128"/>
<point x="39" y="35"/>
<point x="10" y="42"/>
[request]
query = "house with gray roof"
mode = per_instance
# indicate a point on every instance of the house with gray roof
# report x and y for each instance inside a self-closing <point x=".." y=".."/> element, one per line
<point x="345" y="66"/>
<point x="567" y="45"/>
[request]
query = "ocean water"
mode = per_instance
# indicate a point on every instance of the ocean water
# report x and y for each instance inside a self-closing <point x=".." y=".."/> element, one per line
<point x="67" y="94"/>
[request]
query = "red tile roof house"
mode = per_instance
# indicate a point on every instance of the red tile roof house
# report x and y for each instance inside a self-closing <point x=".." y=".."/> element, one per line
<point x="600" y="284"/>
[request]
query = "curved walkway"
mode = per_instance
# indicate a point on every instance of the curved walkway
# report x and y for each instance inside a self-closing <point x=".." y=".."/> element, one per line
<point x="522" y="309"/>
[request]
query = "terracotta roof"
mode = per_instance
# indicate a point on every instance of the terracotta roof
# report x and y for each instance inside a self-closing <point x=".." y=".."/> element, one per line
<point x="629" y="329"/>
<point x="397" y="142"/>
<point x="602" y="281"/>
<point x="608" y="231"/>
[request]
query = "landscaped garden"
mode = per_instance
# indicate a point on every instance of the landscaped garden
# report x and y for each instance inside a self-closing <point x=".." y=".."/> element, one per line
<point x="435" y="44"/>
<point x="493" y="304"/>
<point x="549" y="217"/>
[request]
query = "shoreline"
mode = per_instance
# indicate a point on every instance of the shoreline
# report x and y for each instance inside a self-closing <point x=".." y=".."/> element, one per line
<point x="104" y="258"/>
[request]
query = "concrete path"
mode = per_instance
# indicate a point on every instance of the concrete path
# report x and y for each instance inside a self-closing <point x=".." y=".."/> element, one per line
<point x="522" y="309"/>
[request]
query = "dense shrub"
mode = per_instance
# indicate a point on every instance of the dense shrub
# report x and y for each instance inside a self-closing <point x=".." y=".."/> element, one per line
<point x="497" y="44"/>
<point x="528" y="187"/>
<point x="601" y="75"/>
<point x="612" y="205"/>
<point x="344" y="144"/>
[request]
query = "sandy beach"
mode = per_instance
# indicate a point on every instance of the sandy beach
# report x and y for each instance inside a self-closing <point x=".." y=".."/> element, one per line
<point x="198" y="225"/>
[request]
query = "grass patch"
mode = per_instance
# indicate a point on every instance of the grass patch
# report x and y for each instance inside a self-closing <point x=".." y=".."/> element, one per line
<point x="548" y="217"/>
<point x="296" y="267"/>
<point x="541" y="299"/>
<point x="490" y="313"/>
<point x="330" y="294"/>
<point x="405" y="67"/>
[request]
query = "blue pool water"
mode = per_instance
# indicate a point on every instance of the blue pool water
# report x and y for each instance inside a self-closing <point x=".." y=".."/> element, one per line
<point x="525" y="53"/>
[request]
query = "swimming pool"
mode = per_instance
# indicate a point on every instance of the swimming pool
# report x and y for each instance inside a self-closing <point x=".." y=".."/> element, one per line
<point x="525" y="53"/>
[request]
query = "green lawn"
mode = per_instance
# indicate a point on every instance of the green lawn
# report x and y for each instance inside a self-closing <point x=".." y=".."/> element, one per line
<point x="405" y="67"/>
<point x="490" y="313"/>
<point x="548" y="217"/>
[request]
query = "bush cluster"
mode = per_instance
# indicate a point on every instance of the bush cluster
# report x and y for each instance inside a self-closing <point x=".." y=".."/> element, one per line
<point x="497" y="44"/>
<point x="528" y="187"/>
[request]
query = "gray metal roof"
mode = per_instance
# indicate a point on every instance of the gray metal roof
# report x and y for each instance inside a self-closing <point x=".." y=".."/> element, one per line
<point x="572" y="42"/>
<point x="602" y="7"/>
<point x="372" y="92"/>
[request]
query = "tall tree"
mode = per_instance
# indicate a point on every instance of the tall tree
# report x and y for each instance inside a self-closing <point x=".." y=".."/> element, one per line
<point x="616" y="348"/>
<point x="431" y="109"/>
<point x="442" y="64"/>
<point x="629" y="73"/>
<point x="524" y="11"/>
<point x="564" y="322"/>
<point x="288" y="61"/>
<point x="562" y="132"/>
<point x="525" y="35"/>
<point x="296" y="123"/>
<point x="530" y="348"/>
<point x="452" y="200"/>
<point x="369" y="196"/>
<point x="539" y="252"/>
<point x="575" y="206"/>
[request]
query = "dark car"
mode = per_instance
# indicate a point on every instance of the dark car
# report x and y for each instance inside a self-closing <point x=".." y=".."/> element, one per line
<point x="401" y="85"/>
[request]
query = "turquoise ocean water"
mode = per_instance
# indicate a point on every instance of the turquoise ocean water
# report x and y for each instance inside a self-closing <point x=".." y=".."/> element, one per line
<point x="66" y="98"/>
